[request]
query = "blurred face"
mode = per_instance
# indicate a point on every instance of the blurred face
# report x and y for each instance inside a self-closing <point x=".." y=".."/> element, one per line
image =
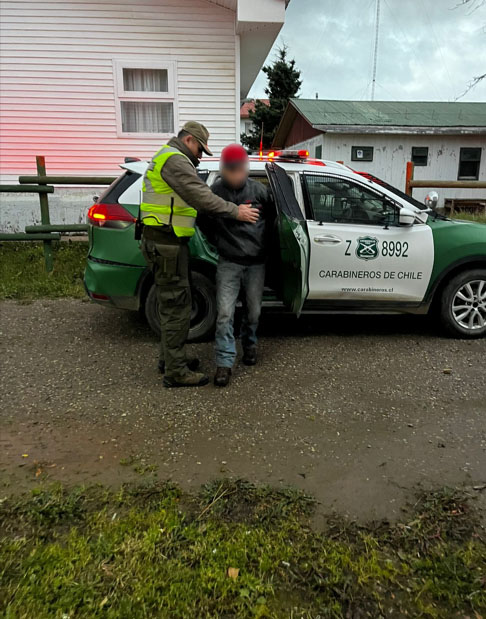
<point x="235" y="175"/>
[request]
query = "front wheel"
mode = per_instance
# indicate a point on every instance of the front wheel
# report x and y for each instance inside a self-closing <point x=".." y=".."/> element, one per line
<point x="203" y="314"/>
<point x="463" y="305"/>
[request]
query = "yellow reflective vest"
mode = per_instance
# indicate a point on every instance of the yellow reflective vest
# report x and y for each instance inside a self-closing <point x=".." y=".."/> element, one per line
<point x="161" y="205"/>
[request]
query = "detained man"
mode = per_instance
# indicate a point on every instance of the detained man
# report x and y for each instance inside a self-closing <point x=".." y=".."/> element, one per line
<point x="242" y="252"/>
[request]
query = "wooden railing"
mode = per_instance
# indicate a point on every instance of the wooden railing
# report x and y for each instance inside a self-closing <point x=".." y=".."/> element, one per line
<point x="410" y="182"/>
<point x="42" y="184"/>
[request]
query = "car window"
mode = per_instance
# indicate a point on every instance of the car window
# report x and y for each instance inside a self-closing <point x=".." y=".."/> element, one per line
<point x="336" y="199"/>
<point x="260" y="178"/>
<point x="119" y="186"/>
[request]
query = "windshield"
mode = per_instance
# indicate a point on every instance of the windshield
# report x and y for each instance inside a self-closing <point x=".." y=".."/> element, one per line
<point x="394" y="190"/>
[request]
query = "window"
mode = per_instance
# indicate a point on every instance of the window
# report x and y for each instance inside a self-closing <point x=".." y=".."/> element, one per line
<point x="420" y="155"/>
<point x="361" y="153"/>
<point x="203" y="174"/>
<point x="469" y="160"/>
<point x="248" y="126"/>
<point x="318" y="152"/>
<point x="338" y="200"/>
<point x="145" y="97"/>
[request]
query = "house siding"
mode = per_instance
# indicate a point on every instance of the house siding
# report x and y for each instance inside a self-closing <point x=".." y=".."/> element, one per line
<point x="58" y="83"/>
<point x="391" y="153"/>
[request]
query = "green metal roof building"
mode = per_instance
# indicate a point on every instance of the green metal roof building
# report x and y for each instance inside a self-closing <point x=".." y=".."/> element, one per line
<point x="446" y="141"/>
<point x="427" y="117"/>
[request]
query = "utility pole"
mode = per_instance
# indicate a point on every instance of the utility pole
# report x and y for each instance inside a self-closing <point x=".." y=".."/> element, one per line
<point x="375" y="53"/>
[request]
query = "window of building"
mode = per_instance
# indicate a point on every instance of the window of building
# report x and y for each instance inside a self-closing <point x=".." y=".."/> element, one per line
<point x="420" y="155"/>
<point x="469" y="161"/>
<point x="318" y="152"/>
<point x="361" y="153"/>
<point x="248" y="126"/>
<point x="336" y="199"/>
<point x="145" y="97"/>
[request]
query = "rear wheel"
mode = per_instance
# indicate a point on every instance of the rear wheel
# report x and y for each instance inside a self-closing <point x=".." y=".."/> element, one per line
<point x="203" y="315"/>
<point x="463" y="305"/>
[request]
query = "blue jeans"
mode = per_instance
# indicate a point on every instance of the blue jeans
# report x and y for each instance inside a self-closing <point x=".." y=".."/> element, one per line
<point x="230" y="278"/>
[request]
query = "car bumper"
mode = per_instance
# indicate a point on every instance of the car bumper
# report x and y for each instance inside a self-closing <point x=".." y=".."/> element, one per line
<point x="113" y="284"/>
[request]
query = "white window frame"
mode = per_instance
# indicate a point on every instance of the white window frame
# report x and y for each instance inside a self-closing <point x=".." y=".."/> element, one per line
<point x="131" y="95"/>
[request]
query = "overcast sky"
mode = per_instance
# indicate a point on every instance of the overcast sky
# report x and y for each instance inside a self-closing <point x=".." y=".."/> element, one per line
<point x="428" y="49"/>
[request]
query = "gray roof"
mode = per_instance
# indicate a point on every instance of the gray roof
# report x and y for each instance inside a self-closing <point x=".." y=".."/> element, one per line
<point x="429" y="117"/>
<point x="392" y="113"/>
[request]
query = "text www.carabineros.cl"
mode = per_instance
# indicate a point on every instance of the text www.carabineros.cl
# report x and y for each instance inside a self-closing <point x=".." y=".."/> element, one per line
<point x="369" y="289"/>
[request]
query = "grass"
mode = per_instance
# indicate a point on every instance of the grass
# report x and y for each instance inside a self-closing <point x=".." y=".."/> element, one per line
<point x="233" y="551"/>
<point x="480" y="219"/>
<point x="23" y="275"/>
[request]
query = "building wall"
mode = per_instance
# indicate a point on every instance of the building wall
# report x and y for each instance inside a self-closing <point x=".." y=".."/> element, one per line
<point x="58" y="86"/>
<point x="58" y="89"/>
<point x="245" y="126"/>
<point x="391" y="153"/>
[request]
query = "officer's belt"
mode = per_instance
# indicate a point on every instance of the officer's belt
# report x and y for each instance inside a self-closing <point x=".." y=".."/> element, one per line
<point x="164" y="234"/>
<point x="179" y="221"/>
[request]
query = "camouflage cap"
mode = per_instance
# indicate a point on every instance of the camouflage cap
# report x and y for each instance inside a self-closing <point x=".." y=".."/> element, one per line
<point x="199" y="132"/>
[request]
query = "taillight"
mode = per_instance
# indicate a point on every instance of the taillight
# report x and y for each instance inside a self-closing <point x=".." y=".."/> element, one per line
<point x="109" y="216"/>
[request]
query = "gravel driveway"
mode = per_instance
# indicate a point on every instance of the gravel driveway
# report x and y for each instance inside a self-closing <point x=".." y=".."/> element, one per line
<point x="355" y="410"/>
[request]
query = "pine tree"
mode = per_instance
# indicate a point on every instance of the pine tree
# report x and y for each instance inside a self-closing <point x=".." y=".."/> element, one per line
<point x="283" y="84"/>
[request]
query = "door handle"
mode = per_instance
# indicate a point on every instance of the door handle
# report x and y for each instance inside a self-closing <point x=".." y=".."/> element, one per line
<point x="327" y="239"/>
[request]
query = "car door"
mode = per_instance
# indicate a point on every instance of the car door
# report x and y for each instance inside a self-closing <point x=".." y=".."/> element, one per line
<point x="293" y="239"/>
<point x="358" y="250"/>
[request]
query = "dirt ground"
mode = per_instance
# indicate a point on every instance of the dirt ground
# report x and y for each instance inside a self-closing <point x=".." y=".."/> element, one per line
<point x="359" y="411"/>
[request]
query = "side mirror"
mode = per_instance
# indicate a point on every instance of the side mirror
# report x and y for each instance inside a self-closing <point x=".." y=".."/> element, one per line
<point x="406" y="217"/>
<point x="431" y="199"/>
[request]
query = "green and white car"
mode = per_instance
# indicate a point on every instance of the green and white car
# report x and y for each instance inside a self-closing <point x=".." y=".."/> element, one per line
<point x="344" y="242"/>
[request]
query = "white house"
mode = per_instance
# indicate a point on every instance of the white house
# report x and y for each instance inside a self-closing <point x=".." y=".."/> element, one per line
<point x="88" y="83"/>
<point x="446" y="141"/>
<point x="246" y="124"/>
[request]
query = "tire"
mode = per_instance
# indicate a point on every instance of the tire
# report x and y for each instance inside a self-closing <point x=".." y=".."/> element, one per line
<point x="463" y="305"/>
<point x="203" y="317"/>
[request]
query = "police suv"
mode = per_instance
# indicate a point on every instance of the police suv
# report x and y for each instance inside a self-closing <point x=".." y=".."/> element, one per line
<point x="343" y="241"/>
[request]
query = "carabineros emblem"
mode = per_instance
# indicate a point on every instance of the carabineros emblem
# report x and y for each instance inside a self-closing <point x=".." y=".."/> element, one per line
<point x="367" y="248"/>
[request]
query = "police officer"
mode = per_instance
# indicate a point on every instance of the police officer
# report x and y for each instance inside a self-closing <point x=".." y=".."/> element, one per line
<point x="172" y="195"/>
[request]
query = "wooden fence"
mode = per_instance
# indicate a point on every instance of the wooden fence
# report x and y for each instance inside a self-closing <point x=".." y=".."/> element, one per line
<point x="42" y="184"/>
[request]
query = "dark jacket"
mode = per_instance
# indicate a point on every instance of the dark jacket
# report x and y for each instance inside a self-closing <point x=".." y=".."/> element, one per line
<point x="237" y="241"/>
<point x="180" y="174"/>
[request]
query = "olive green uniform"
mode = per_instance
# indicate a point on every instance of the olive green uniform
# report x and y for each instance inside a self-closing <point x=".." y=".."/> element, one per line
<point x="168" y="256"/>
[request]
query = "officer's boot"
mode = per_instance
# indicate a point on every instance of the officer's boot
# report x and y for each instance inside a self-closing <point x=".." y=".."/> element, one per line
<point x="190" y="379"/>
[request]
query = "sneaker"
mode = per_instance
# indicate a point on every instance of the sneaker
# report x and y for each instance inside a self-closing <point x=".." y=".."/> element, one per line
<point x="222" y="377"/>
<point x="191" y="379"/>
<point x="192" y="364"/>
<point x="250" y="356"/>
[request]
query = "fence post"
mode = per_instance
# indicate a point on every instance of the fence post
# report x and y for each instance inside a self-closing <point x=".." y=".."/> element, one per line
<point x="44" y="208"/>
<point x="409" y="177"/>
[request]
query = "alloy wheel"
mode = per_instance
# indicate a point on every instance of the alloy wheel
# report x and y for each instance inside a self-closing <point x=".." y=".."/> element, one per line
<point x="469" y="305"/>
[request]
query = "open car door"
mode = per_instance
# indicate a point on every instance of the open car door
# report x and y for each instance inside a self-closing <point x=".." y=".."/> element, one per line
<point x="293" y="237"/>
